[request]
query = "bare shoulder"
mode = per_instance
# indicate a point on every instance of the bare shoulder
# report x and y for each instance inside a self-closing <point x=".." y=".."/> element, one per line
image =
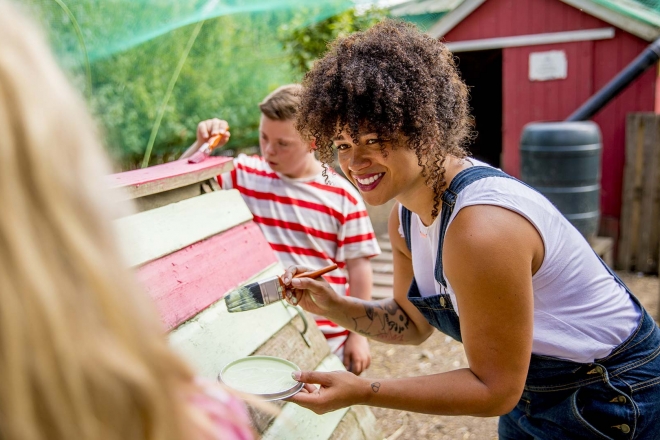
<point x="491" y="236"/>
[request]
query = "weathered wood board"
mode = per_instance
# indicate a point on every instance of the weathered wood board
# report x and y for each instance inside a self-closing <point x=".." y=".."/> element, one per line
<point x="165" y="177"/>
<point x="149" y="235"/>
<point x="639" y="242"/>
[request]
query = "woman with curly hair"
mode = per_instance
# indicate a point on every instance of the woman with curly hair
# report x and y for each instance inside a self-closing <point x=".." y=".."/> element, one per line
<point x="556" y="344"/>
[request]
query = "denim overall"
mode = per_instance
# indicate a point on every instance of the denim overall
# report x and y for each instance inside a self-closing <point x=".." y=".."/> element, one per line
<point x="616" y="397"/>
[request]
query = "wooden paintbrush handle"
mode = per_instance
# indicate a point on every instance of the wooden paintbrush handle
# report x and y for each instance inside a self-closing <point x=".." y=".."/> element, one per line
<point x="316" y="273"/>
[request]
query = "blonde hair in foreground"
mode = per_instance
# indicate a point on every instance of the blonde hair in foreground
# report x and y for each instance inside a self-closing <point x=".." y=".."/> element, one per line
<point x="82" y="352"/>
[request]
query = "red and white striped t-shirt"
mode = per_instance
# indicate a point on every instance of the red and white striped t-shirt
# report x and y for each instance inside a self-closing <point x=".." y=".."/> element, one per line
<point x="307" y="222"/>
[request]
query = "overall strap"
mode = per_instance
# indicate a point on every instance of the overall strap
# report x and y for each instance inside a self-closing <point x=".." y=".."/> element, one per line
<point x="406" y="217"/>
<point x="458" y="184"/>
<point x="449" y="196"/>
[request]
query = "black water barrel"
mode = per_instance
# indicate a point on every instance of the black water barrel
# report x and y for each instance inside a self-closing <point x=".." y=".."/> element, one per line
<point x="562" y="161"/>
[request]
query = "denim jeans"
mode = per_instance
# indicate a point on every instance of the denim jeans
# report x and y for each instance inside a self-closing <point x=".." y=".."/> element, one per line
<point x="617" y="397"/>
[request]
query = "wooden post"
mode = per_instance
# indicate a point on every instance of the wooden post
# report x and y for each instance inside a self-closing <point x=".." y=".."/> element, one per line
<point x="639" y="242"/>
<point x="647" y="252"/>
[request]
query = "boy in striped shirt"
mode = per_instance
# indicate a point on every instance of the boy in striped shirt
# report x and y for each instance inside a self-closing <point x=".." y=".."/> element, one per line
<point x="307" y="221"/>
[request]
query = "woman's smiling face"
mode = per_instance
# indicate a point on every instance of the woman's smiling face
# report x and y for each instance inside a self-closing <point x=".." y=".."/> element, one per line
<point x="379" y="171"/>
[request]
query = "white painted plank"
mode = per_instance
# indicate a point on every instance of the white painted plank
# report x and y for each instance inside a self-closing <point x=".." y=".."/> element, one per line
<point x="296" y="422"/>
<point x="531" y="40"/>
<point x="152" y="234"/>
<point x="216" y="337"/>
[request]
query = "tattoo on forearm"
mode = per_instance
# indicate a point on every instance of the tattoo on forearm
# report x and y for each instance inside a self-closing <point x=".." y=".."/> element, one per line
<point x="375" y="387"/>
<point x="384" y="321"/>
<point x="369" y="311"/>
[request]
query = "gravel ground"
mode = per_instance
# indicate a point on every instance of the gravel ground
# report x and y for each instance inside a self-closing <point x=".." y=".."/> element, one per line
<point x="440" y="353"/>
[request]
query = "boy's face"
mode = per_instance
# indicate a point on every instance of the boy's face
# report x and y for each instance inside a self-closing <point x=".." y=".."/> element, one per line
<point x="283" y="148"/>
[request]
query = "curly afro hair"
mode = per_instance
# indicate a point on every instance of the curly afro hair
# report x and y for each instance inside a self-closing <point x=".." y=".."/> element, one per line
<point x="394" y="81"/>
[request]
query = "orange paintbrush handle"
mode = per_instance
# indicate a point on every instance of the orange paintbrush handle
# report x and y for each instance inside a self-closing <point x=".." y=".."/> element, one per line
<point x="316" y="273"/>
<point x="215" y="140"/>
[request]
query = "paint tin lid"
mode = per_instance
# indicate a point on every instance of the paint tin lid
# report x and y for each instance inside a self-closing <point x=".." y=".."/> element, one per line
<point x="266" y="377"/>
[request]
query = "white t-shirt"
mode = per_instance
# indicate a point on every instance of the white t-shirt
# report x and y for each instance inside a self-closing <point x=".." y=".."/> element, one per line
<point x="307" y="222"/>
<point x="580" y="312"/>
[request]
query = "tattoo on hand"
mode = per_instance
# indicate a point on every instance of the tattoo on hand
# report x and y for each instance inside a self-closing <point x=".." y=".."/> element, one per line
<point x="375" y="387"/>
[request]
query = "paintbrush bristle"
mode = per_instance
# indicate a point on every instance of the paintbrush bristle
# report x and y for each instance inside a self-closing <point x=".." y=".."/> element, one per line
<point x="264" y="292"/>
<point x="244" y="298"/>
<point x="255" y="295"/>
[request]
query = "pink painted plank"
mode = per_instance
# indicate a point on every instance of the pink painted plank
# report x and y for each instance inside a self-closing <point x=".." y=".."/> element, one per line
<point x="191" y="279"/>
<point x="168" y="176"/>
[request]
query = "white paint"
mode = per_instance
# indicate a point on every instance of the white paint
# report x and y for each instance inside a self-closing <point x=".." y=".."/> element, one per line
<point x="261" y="375"/>
<point x="531" y="40"/>
<point x="216" y="337"/>
<point x="296" y="422"/>
<point x="152" y="234"/>
<point x="546" y="66"/>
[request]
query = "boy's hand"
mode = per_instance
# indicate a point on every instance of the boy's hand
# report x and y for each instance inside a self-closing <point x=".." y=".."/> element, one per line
<point x="212" y="127"/>
<point x="206" y="130"/>
<point x="357" y="356"/>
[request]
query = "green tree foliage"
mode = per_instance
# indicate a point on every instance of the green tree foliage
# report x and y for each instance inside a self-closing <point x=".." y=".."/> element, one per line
<point x="305" y="43"/>
<point x="219" y="79"/>
<point x="132" y="49"/>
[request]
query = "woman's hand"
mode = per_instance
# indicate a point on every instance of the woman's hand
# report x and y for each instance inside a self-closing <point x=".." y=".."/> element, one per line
<point x="337" y="389"/>
<point x="314" y="295"/>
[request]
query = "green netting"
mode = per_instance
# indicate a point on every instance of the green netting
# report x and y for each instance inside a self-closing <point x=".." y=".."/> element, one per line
<point x="646" y="11"/>
<point x="424" y="13"/>
<point x="424" y="21"/>
<point x="152" y="69"/>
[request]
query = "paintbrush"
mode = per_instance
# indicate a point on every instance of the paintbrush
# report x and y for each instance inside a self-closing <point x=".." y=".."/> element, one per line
<point x="264" y="292"/>
<point x="205" y="149"/>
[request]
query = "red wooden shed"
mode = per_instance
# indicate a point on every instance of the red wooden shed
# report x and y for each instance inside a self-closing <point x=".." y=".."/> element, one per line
<point x="539" y="60"/>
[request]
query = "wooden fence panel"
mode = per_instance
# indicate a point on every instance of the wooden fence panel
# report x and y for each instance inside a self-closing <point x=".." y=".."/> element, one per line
<point x="190" y="245"/>
<point x="639" y="242"/>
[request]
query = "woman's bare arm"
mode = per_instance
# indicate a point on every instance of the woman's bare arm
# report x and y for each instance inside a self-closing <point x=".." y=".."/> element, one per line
<point x="395" y="320"/>
<point x="489" y="257"/>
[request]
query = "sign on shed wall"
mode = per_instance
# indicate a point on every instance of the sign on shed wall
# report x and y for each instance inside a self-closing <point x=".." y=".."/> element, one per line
<point x="546" y="66"/>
